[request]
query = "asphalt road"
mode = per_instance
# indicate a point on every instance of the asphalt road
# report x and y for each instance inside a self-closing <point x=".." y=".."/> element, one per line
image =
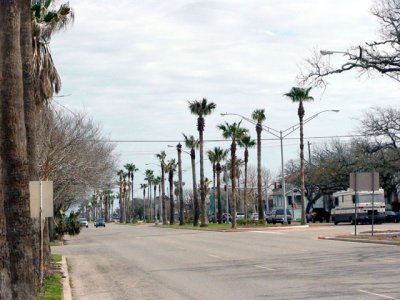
<point x="148" y="262"/>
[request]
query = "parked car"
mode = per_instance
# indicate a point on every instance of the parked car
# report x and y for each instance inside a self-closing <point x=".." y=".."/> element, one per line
<point x="99" y="222"/>
<point x="226" y="217"/>
<point x="240" y="215"/>
<point x="277" y="216"/>
<point x="320" y="214"/>
<point x="83" y="222"/>
<point x="268" y="217"/>
<point x="392" y="217"/>
<point x="254" y="216"/>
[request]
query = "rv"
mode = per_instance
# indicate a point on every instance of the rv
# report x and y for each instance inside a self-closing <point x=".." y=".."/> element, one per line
<point x="347" y="209"/>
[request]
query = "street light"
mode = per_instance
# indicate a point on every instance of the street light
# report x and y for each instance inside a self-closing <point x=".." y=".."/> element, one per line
<point x="281" y="134"/>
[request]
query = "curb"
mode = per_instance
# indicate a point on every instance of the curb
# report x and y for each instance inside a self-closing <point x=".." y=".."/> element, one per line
<point x="67" y="292"/>
<point x="359" y="240"/>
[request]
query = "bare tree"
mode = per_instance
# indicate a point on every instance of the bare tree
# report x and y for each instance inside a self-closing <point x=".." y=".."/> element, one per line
<point x="382" y="56"/>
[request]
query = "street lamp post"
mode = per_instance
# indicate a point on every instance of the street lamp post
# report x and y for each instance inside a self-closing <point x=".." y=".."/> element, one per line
<point x="281" y="134"/>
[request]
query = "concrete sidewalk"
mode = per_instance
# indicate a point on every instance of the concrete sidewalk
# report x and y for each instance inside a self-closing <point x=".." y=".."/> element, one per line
<point x="67" y="292"/>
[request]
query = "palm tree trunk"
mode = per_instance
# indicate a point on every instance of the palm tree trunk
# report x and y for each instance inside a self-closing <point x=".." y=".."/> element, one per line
<point x="215" y="208"/>
<point x="233" y="173"/>
<point x="164" y="215"/>
<point x="171" y="199"/>
<point x="301" y="116"/>
<point x="154" y="203"/>
<point x="13" y="151"/>
<point x="202" y="185"/>
<point x="245" y="186"/>
<point x="181" y="215"/>
<point x="195" y="198"/>
<point x="219" y="193"/>
<point x="259" y="178"/>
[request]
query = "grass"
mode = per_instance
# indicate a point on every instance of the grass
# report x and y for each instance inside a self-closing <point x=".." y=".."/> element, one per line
<point x="56" y="257"/>
<point x="52" y="288"/>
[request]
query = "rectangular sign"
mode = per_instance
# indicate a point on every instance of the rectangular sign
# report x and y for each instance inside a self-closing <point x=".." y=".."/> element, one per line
<point x="364" y="181"/>
<point x="41" y="195"/>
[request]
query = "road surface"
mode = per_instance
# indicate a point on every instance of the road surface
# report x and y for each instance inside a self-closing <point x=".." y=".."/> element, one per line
<point x="148" y="262"/>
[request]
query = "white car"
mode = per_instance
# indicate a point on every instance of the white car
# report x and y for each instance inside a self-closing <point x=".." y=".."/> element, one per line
<point x="240" y="215"/>
<point x="83" y="222"/>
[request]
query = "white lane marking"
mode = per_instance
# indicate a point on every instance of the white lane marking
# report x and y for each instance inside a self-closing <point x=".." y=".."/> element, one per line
<point x="262" y="267"/>
<point x="215" y="256"/>
<point x="269" y="232"/>
<point x="379" y="295"/>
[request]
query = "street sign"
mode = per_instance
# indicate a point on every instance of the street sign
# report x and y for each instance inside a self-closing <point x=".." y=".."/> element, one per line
<point x="41" y="195"/>
<point x="364" y="181"/>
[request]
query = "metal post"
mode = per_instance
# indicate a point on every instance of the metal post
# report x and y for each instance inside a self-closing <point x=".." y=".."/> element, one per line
<point x="373" y="202"/>
<point x="355" y="204"/>
<point x="283" y="180"/>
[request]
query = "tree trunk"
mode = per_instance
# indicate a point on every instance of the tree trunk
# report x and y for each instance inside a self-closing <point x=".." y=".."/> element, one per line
<point x="259" y="178"/>
<point x="164" y="215"/>
<point x="233" y="173"/>
<point x="171" y="198"/>
<point x="181" y="215"/>
<point x="195" y="197"/>
<point x="15" y="181"/>
<point x="301" y="116"/>
<point x="202" y="184"/>
<point x="219" y="193"/>
<point x="246" y="159"/>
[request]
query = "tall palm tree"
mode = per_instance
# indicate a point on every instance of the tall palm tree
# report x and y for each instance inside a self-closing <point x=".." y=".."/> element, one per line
<point x="171" y="169"/>
<point x="216" y="156"/>
<point x="246" y="142"/>
<point x="258" y="116"/>
<point x="211" y="158"/>
<point x="143" y="186"/>
<point x="161" y="157"/>
<point x="149" y="177"/>
<point x="192" y="144"/>
<point x="300" y="95"/>
<point x="131" y="168"/>
<point x="46" y="20"/>
<point x="201" y="109"/>
<point x="234" y="132"/>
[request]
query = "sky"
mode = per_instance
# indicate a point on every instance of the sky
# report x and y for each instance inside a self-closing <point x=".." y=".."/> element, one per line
<point x="132" y="65"/>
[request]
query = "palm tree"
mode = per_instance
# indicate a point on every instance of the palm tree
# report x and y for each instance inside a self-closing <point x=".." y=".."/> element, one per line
<point x="149" y="177"/>
<point x="46" y="20"/>
<point x="202" y="109"/>
<point x="192" y="144"/>
<point x="235" y="133"/>
<point x="246" y="142"/>
<point x="131" y="168"/>
<point x="300" y="95"/>
<point x="143" y="186"/>
<point x="259" y="117"/>
<point x="216" y="156"/>
<point x="122" y="192"/>
<point x="170" y="169"/>
<point x="161" y="157"/>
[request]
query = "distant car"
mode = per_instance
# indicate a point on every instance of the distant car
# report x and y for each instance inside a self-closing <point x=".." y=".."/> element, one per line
<point x="392" y="217"/>
<point x="320" y="214"/>
<point x="240" y="215"/>
<point x="226" y="218"/>
<point x="254" y="216"/>
<point x="268" y="217"/>
<point x="83" y="222"/>
<point x="99" y="222"/>
<point x="277" y="216"/>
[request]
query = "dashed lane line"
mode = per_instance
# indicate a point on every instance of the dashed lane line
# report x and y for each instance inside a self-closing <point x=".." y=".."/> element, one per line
<point x="378" y="295"/>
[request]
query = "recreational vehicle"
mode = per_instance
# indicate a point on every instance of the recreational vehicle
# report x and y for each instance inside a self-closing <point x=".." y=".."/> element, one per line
<point x="360" y="207"/>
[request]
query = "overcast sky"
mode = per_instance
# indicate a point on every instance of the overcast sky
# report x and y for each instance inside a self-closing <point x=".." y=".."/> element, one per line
<point x="132" y="65"/>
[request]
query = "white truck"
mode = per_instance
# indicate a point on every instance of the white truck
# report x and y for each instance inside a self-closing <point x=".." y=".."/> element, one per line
<point x="370" y="205"/>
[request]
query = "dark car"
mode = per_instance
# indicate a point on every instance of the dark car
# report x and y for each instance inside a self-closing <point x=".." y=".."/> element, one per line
<point x="278" y="216"/>
<point x="99" y="222"/>
<point x="320" y="214"/>
<point x="226" y="216"/>
<point x="392" y="217"/>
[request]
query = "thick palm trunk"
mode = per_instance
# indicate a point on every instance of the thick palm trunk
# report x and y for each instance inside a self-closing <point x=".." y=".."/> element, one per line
<point x="15" y="176"/>
<point x="195" y="198"/>
<point x="154" y="204"/>
<point x="202" y="184"/>
<point x="259" y="179"/>
<point x="214" y="175"/>
<point x="133" y="200"/>
<point x="233" y="172"/>
<point x="301" y="116"/>
<point x="219" y="194"/>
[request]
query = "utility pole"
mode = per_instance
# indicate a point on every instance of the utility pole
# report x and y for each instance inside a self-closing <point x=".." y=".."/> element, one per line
<point x="181" y="215"/>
